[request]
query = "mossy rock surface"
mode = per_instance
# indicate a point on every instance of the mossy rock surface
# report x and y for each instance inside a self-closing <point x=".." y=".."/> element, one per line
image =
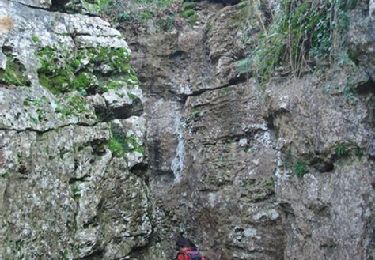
<point x="121" y="145"/>
<point x="88" y="71"/>
<point x="14" y="73"/>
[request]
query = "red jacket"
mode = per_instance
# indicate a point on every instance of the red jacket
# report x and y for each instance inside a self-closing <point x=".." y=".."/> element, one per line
<point x="184" y="254"/>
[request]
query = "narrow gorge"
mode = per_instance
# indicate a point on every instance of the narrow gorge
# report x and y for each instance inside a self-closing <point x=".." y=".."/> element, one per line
<point x="247" y="125"/>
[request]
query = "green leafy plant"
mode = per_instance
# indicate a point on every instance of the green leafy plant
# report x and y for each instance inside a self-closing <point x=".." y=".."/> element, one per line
<point x="300" y="168"/>
<point x="303" y="33"/>
<point x="342" y="150"/>
<point x="95" y="6"/>
<point x="164" y="3"/>
<point x="120" y="145"/>
<point x="189" y="13"/>
<point x="146" y="15"/>
<point x="195" y="114"/>
<point x="243" y="66"/>
<point x="124" y="17"/>
<point x="76" y="191"/>
<point x="167" y="23"/>
<point x="35" y="38"/>
<point x="358" y="151"/>
<point x="116" y="147"/>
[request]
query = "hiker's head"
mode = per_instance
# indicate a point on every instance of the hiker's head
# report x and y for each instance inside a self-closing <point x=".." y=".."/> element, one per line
<point x="182" y="242"/>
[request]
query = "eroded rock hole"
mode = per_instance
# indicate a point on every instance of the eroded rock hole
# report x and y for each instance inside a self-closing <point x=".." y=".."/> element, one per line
<point x="366" y="88"/>
<point x="58" y="5"/>
<point x="322" y="165"/>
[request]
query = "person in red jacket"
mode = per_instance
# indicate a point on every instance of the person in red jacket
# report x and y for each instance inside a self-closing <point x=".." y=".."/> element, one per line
<point x="187" y="250"/>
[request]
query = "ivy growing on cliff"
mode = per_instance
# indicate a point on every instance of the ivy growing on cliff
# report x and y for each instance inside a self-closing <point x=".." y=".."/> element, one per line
<point x="302" y="34"/>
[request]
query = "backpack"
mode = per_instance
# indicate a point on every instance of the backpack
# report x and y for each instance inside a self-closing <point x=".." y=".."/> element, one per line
<point x="191" y="255"/>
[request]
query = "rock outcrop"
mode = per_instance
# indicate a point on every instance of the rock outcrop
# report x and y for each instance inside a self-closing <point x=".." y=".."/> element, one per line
<point x="72" y="132"/>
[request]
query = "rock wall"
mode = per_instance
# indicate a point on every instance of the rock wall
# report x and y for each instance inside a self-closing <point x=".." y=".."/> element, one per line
<point x="72" y="133"/>
<point x="96" y="164"/>
<point x="284" y="172"/>
<point x="211" y="152"/>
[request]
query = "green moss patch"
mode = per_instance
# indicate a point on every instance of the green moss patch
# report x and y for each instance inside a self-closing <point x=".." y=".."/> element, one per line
<point x="14" y="74"/>
<point x="87" y="71"/>
<point x="189" y="13"/>
<point x="40" y="104"/>
<point x="116" y="145"/>
<point x="69" y="105"/>
<point x="120" y="145"/>
<point x="35" y="39"/>
<point x="73" y="105"/>
<point x="133" y="145"/>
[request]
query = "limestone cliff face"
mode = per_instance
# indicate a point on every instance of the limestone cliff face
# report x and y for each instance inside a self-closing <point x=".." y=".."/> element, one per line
<point x="71" y="132"/>
<point x="277" y="172"/>
<point x="97" y="164"/>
